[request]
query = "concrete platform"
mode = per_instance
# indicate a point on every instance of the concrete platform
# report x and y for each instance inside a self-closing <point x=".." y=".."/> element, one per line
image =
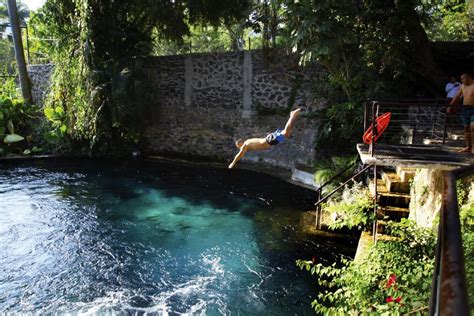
<point x="414" y="156"/>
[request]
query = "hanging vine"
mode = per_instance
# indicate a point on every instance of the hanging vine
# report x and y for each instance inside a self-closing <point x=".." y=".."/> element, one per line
<point x="93" y="56"/>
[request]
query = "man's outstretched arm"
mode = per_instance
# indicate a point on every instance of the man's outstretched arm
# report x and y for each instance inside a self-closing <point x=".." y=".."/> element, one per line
<point x="239" y="155"/>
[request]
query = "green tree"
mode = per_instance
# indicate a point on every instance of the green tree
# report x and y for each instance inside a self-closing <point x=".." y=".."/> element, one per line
<point x="372" y="49"/>
<point x="449" y="21"/>
<point x="7" y="57"/>
<point x="93" y="54"/>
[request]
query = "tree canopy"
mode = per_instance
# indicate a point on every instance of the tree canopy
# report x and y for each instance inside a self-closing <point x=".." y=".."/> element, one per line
<point x="370" y="48"/>
<point x="95" y="43"/>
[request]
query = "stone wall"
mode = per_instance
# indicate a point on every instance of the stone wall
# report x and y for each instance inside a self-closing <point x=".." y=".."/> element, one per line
<point x="222" y="81"/>
<point x="210" y="133"/>
<point x="160" y="81"/>
<point x="39" y="78"/>
<point x="199" y="104"/>
<point x="275" y="84"/>
<point x="426" y="196"/>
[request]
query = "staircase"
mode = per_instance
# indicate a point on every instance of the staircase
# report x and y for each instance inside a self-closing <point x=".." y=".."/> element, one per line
<point x="393" y="195"/>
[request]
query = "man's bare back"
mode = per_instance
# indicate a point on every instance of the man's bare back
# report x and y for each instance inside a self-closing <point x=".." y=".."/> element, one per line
<point x="468" y="94"/>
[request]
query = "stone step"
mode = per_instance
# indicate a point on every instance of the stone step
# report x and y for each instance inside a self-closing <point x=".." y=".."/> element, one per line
<point x="392" y="213"/>
<point x="394" y="183"/>
<point x="386" y="198"/>
<point x="381" y="227"/>
<point x="405" y="174"/>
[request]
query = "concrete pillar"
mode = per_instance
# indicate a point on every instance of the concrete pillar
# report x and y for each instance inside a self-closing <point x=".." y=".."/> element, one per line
<point x="247" y="111"/>
<point x="188" y="79"/>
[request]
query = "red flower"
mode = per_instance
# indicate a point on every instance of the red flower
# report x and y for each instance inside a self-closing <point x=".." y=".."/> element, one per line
<point x="313" y="259"/>
<point x="391" y="300"/>
<point x="391" y="280"/>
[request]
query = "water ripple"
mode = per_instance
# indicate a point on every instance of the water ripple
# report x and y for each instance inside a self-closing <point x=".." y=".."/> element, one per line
<point x="151" y="239"/>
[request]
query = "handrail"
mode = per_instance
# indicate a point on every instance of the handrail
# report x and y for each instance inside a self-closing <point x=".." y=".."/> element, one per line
<point x="320" y="188"/>
<point x="416" y="117"/>
<point x="449" y="288"/>
<point x="319" y="192"/>
<point x="321" y="200"/>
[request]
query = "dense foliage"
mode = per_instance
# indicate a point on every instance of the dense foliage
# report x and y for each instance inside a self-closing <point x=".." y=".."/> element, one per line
<point x="93" y="54"/>
<point x="93" y="43"/>
<point x="449" y="21"/>
<point x="380" y="282"/>
<point x="21" y="127"/>
<point x="466" y="199"/>
<point x="372" y="50"/>
<point x="353" y="208"/>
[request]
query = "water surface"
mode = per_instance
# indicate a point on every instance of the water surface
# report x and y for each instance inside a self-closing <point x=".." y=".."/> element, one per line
<point x="92" y="236"/>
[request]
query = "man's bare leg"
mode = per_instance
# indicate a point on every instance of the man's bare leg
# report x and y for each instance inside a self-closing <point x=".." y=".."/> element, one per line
<point x="468" y="131"/>
<point x="289" y="125"/>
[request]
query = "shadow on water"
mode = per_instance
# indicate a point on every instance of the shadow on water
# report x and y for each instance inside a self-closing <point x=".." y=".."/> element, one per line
<point x="136" y="236"/>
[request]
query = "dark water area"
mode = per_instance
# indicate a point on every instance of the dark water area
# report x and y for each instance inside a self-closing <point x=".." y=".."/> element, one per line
<point x="163" y="238"/>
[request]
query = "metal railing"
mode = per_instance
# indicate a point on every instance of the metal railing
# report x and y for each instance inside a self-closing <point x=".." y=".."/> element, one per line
<point x="449" y="288"/>
<point x="412" y="121"/>
<point x="321" y="199"/>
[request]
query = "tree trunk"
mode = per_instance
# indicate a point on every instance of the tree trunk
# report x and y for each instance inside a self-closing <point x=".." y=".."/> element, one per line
<point x="429" y="71"/>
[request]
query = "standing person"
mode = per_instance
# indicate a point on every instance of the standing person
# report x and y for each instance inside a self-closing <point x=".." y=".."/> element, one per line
<point x="467" y="110"/>
<point x="271" y="139"/>
<point x="452" y="88"/>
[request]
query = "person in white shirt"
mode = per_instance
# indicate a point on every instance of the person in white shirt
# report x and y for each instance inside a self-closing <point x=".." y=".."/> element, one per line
<point x="452" y="88"/>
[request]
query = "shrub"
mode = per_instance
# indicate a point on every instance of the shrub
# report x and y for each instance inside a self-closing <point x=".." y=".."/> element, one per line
<point x="354" y="208"/>
<point x="394" y="277"/>
<point x="19" y="128"/>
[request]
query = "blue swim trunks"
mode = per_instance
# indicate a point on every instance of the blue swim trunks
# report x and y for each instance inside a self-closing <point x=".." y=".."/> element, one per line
<point x="275" y="138"/>
<point x="467" y="115"/>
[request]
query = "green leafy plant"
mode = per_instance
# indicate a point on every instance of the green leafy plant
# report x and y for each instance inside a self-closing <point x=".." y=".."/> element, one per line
<point x="448" y="21"/>
<point x="354" y="208"/>
<point x="17" y="117"/>
<point x="95" y="43"/>
<point x="57" y="118"/>
<point x="467" y="229"/>
<point x="379" y="283"/>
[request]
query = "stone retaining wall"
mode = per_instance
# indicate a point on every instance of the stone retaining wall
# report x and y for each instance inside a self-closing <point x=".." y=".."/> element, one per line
<point x="200" y="104"/>
<point x="39" y="78"/>
<point x="210" y="133"/>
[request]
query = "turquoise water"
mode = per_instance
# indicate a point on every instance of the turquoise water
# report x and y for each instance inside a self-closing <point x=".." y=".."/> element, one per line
<point x="154" y="238"/>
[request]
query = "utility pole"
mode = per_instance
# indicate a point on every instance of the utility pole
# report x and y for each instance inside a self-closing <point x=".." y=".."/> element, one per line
<point x="19" y="54"/>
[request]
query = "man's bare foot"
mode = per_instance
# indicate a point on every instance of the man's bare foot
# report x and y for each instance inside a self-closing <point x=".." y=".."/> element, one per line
<point x="295" y="112"/>
<point x="466" y="150"/>
<point x="238" y="143"/>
